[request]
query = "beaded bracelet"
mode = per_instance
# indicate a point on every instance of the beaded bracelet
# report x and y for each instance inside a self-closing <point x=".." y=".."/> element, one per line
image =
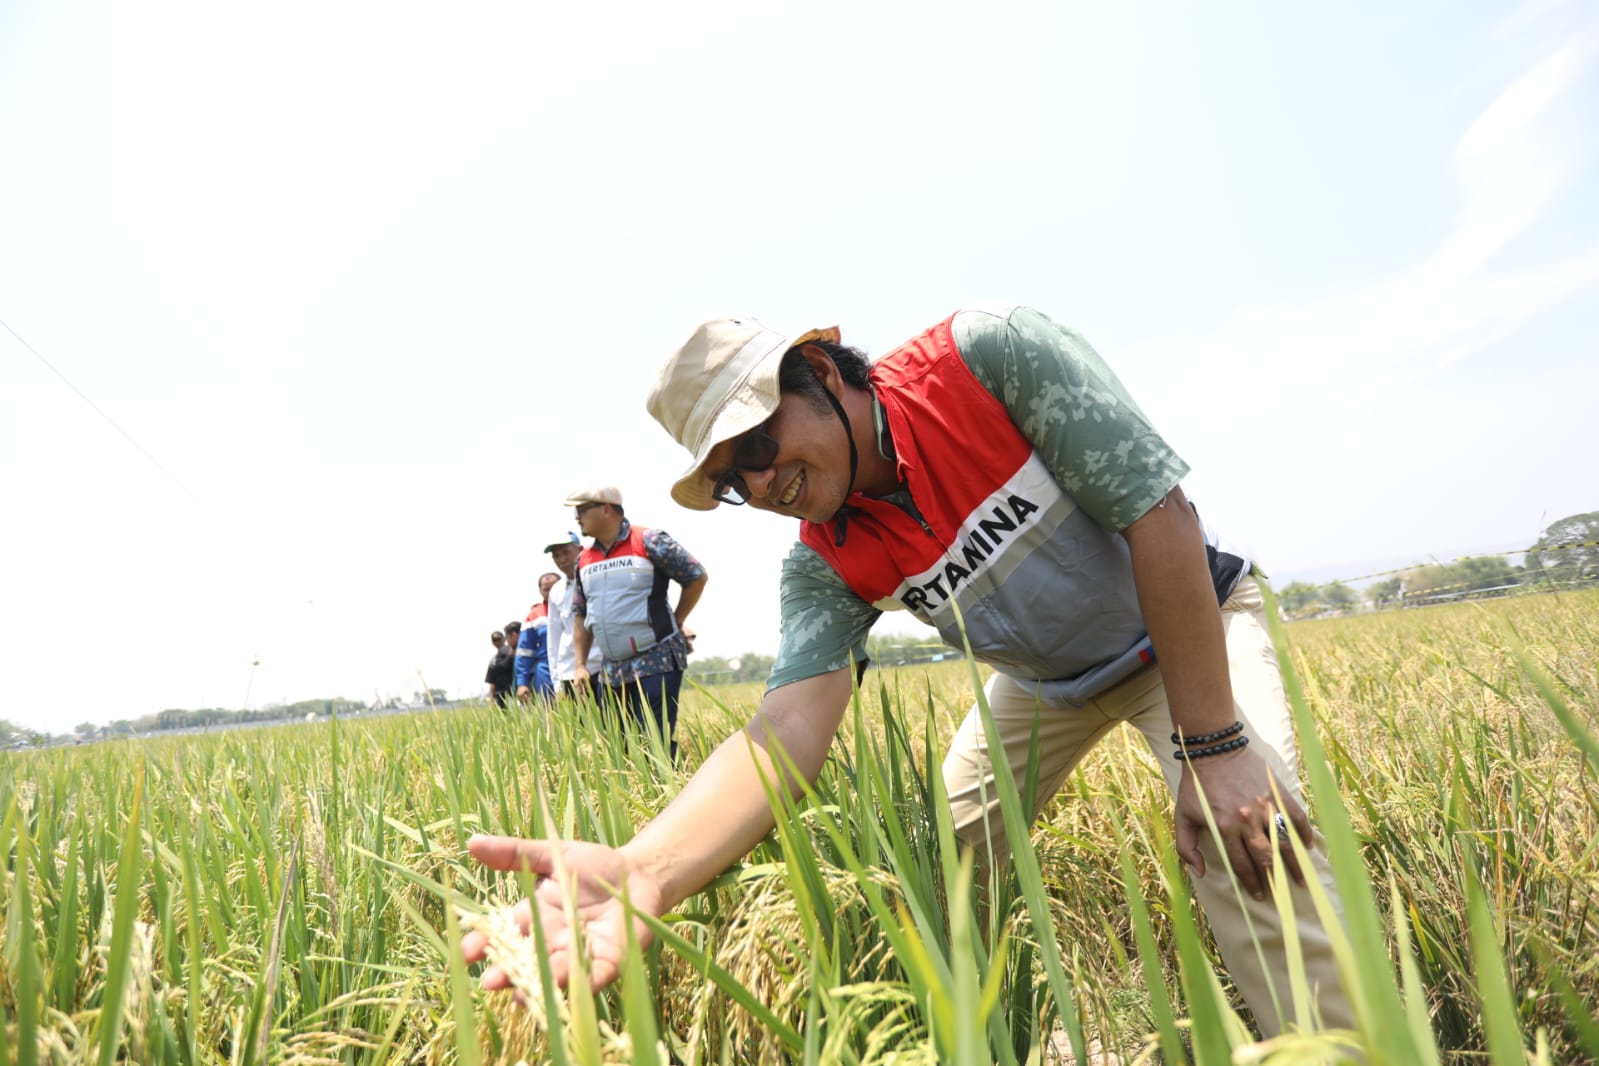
<point x="1208" y="738"/>
<point x="1219" y="749"/>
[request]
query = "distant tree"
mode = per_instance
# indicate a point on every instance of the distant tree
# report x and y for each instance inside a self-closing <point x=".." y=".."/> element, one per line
<point x="14" y="736"/>
<point x="753" y="667"/>
<point x="1384" y="593"/>
<point x="1566" y="552"/>
<point x="1299" y="598"/>
<point x="1431" y="580"/>
<point x="1338" y="596"/>
<point x="1447" y="580"/>
<point x="174" y="719"/>
<point x="1487" y="572"/>
<point x="893" y="649"/>
<point x="324" y="708"/>
<point x="708" y="669"/>
<point x="717" y="670"/>
<point x="86" y="729"/>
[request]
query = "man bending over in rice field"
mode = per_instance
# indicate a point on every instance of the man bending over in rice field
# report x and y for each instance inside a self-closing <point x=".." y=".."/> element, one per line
<point x="992" y="465"/>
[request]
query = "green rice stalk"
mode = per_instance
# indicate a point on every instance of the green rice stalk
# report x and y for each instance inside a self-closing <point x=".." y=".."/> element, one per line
<point x="397" y="1018"/>
<point x="1150" y="964"/>
<point x="913" y="930"/>
<point x="637" y="1003"/>
<point x="64" y="968"/>
<point x="125" y="909"/>
<point x="8" y="830"/>
<point x="1029" y="876"/>
<point x="1587" y="742"/>
<point x="800" y="867"/>
<point x="218" y="908"/>
<point x="27" y="957"/>
<point x="1375" y="995"/>
<point x="1410" y="977"/>
<point x="555" y="1046"/>
<point x="1282" y="895"/>
<point x="811" y="1053"/>
<point x="704" y="962"/>
<point x="1494" y="993"/>
<point x="582" y="1019"/>
<point x="1579" y="1013"/>
<point x="968" y="986"/>
<point x="259" y="1034"/>
<point x="463" y="1003"/>
<point x="1213" y="1027"/>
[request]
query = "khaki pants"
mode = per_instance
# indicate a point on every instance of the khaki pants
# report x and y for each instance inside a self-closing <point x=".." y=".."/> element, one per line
<point x="1065" y="735"/>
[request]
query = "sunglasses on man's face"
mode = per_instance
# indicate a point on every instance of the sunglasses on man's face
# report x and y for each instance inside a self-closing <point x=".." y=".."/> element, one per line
<point x="754" y="451"/>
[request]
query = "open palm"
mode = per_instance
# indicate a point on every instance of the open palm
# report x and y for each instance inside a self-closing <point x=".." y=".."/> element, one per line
<point x="592" y="875"/>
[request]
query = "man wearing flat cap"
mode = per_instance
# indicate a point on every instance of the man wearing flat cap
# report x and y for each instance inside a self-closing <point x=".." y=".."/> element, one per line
<point x="619" y="602"/>
<point x="990" y="473"/>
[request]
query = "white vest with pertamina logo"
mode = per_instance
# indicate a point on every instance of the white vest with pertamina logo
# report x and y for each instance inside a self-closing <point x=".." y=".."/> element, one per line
<point x="1044" y="591"/>
<point x="624" y="597"/>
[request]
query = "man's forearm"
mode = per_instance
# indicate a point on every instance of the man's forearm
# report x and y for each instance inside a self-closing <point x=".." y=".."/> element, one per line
<point x="1172" y="573"/>
<point x="689" y="597"/>
<point x="723" y="812"/>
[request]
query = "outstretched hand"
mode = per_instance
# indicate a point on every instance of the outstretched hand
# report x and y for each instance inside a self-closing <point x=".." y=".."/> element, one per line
<point x="1238" y="790"/>
<point x="593" y="874"/>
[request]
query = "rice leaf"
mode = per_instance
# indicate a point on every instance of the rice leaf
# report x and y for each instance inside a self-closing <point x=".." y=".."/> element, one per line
<point x="1494" y="993"/>
<point x="125" y="908"/>
<point x="27" y="964"/>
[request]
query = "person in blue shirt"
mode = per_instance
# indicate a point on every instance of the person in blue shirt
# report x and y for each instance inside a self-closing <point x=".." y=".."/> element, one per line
<point x="532" y="649"/>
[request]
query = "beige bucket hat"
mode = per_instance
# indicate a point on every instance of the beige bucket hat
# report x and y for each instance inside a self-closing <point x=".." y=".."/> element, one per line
<point x="722" y="382"/>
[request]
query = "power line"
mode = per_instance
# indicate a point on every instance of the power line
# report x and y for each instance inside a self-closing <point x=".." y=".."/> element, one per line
<point x="99" y="412"/>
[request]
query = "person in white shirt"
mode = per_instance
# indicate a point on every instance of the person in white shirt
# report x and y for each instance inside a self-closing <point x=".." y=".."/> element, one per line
<point x="562" y="651"/>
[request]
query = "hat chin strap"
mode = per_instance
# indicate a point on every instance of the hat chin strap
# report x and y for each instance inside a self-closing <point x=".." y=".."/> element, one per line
<point x="841" y="519"/>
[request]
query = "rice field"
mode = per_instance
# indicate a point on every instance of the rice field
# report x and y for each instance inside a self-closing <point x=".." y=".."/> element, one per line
<point x="294" y="895"/>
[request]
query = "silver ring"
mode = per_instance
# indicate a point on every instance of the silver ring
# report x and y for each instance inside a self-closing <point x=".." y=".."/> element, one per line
<point x="1282" y="826"/>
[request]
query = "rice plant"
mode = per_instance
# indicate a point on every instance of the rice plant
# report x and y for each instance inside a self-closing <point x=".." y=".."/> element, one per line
<point x="297" y="895"/>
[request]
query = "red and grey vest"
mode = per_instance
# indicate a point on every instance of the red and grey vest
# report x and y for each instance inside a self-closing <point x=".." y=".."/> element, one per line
<point x="1044" y="591"/>
<point x="624" y="597"/>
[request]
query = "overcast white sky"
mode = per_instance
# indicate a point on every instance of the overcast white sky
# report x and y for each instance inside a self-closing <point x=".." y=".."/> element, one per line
<point x="376" y="285"/>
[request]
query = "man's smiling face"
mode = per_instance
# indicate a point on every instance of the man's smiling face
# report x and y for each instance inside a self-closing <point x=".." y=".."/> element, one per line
<point x="809" y="475"/>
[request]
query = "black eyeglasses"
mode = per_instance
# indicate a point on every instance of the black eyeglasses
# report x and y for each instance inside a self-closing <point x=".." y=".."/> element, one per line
<point x="755" y="451"/>
<point x="582" y="507"/>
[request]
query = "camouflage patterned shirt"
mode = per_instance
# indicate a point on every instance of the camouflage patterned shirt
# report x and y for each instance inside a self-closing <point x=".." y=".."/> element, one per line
<point x="1069" y="405"/>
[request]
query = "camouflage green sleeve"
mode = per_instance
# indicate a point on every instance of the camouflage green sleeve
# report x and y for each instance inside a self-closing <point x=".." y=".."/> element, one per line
<point x="1074" y="411"/>
<point x="824" y="623"/>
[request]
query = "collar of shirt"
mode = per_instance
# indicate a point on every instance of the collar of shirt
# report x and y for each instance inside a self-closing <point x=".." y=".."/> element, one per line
<point x="621" y="535"/>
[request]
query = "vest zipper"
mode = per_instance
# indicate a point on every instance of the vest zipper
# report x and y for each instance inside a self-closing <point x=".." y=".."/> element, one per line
<point x="903" y="501"/>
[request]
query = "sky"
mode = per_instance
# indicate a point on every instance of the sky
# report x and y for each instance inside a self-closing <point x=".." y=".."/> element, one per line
<point x="316" y="312"/>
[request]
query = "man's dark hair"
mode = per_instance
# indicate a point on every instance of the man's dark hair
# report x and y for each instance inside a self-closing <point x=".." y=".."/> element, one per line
<point x="795" y="374"/>
<point x="513" y="627"/>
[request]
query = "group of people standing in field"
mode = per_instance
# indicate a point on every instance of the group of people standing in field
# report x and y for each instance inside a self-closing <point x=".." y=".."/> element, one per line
<point x="994" y="478"/>
<point x="605" y="625"/>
